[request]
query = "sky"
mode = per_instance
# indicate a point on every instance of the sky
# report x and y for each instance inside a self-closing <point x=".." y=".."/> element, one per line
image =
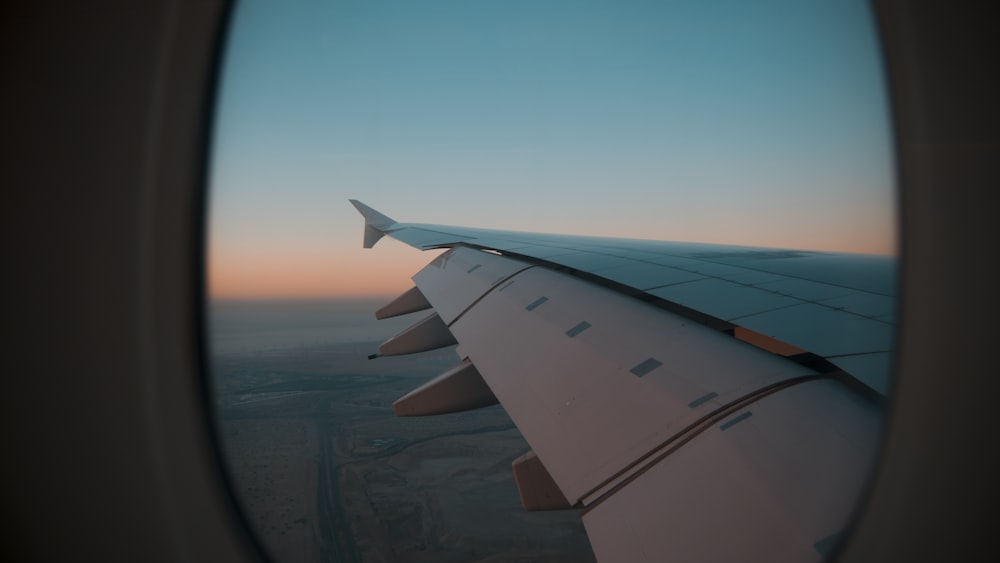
<point x="759" y="123"/>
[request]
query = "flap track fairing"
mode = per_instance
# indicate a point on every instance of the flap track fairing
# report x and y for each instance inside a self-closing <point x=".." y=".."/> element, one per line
<point x="429" y="334"/>
<point x="461" y="388"/>
<point x="410" y="302"/>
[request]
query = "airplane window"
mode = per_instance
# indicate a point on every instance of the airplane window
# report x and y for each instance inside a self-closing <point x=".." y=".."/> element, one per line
<point x="759" y="124"/>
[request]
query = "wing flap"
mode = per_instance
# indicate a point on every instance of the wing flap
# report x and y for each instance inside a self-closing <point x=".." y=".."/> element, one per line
<point x="597" y="381"/>
<point x="770" y="482"/>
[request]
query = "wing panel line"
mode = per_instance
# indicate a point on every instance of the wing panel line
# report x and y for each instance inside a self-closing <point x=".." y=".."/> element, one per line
<point x="812" y="360"/>
<point x="497" y="284"/>
<point x="642" y="464"/>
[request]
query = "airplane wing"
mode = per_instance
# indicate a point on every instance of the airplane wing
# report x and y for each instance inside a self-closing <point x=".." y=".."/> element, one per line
<point x="698" y="402"/>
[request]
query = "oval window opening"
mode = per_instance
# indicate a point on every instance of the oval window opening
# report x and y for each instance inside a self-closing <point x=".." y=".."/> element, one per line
<point x="702" y="322"/>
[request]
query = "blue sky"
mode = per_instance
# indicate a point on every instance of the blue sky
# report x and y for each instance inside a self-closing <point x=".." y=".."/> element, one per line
<point x="759" y="123"/>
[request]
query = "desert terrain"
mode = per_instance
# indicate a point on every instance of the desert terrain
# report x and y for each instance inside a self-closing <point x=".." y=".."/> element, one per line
<point x="324" y="472"/>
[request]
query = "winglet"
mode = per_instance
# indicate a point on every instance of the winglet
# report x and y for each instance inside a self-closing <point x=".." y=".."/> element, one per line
<point x="376" y="224"/>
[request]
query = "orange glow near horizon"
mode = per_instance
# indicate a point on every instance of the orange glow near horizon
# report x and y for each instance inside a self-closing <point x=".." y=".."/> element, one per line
<point x="301" y="271"/>
<point x="662" y="137"/>
<point x="356" y="272"/>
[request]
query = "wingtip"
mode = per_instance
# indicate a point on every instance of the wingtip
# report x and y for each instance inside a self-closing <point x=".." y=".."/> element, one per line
<point x="376" y="223"/>
<point x="373" y="217"/>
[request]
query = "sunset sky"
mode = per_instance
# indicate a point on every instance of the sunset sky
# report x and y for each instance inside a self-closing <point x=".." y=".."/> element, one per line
<point x="758" y="123"/>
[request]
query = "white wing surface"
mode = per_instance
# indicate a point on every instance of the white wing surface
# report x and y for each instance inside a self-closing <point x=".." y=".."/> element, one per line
<point x="694" y="402"/>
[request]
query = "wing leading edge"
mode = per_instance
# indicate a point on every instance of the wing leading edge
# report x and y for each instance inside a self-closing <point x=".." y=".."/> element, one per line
<point x="673" y="427"/>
